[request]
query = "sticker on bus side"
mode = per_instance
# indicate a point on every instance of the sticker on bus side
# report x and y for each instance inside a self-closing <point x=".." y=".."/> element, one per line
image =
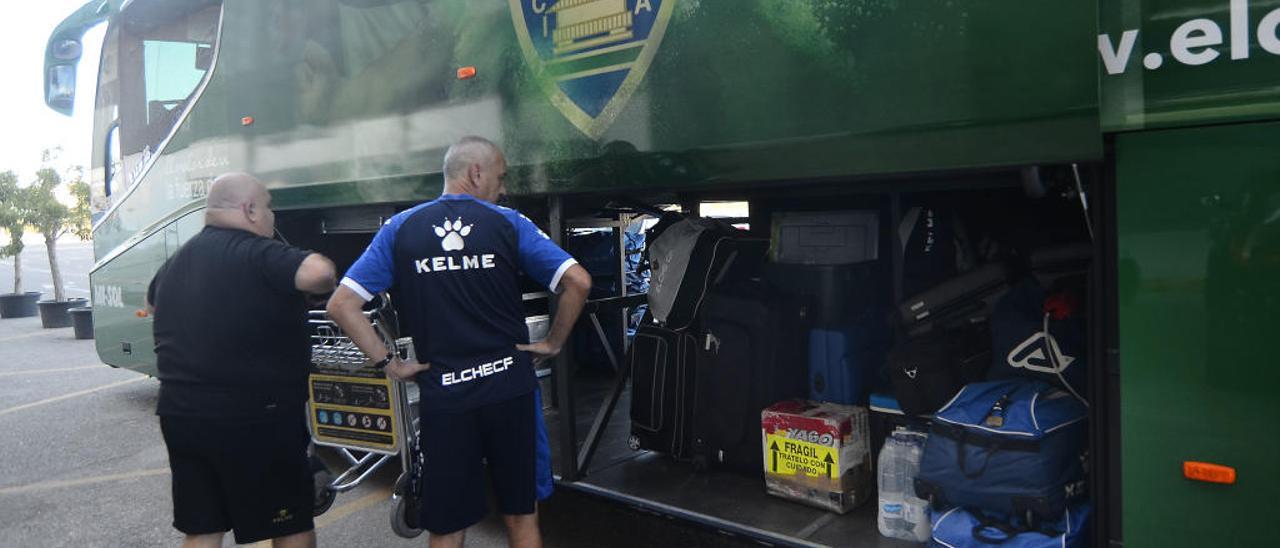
<point x="1196" y="42"/>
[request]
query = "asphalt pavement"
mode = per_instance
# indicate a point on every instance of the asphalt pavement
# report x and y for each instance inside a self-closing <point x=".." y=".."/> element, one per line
<point x="84" y="463"/>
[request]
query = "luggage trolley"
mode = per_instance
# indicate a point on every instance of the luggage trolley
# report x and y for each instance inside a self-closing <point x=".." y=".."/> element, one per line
<point x="355" y="408"/>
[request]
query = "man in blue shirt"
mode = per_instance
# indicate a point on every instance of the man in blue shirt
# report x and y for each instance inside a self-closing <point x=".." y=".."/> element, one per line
<point x="453" y="267"/>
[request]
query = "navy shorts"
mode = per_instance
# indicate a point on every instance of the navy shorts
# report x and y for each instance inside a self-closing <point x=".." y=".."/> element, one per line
<point x="251" y="476"/>
<point x="460" y="447"/>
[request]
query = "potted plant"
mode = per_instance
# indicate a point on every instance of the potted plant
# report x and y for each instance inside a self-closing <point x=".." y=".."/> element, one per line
<point x="52" y="219"/>
<point x="12" y="203"/>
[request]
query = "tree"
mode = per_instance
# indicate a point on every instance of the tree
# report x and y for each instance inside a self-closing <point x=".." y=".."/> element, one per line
<point x="53" y="219"/>
<point x="13" y="200"/>
<point x="81" y="213"/>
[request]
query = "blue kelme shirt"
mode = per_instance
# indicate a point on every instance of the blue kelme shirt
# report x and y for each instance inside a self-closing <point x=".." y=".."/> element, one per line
<point x="453" y="266"/>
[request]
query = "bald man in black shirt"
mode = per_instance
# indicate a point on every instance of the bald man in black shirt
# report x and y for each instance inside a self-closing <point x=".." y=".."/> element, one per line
<point x="232" y="353"/>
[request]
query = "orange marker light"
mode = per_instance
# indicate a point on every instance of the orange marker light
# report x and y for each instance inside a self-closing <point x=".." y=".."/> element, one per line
<point x="246" y="121"/>
<point x="466" y="73"/>
<point x="1208" y="472"/>
<point x="141" y="313"/>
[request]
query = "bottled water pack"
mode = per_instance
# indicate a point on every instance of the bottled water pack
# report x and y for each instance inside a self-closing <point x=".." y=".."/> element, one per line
<point x="901" y="514"/>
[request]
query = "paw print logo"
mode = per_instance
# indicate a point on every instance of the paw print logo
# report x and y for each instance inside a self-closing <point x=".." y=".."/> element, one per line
<point x="451" y="234"/>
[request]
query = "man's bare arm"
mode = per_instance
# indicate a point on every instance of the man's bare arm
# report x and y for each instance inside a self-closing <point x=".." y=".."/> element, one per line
<point x="575" y="284"/>
<point x="344" y="309"/>
<point x="316" y="275"/>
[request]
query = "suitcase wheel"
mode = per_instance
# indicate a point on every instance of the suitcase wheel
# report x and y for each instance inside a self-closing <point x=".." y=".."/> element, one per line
<point x="324" y="495"/>
<point x="399" y="520"/>
<point x="701" y="463"/>
<point x="323" y="500"/>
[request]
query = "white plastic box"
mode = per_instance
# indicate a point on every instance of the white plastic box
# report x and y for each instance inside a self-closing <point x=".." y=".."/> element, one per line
<point x="825" y="237"/>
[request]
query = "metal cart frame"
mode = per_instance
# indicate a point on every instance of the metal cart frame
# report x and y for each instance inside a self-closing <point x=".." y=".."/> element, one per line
<point x="333" y="350"/>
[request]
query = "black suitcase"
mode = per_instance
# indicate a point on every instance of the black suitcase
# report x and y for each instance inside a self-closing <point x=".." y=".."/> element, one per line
<point x="752" y="354"/>
<point x="689" y="258"/>
<point x="662" y="363"/>
<point x="835" y="294"/>
<point x="1065" y="261"/>
<point x="935" y="246"/>
<point x="960" y="300"/>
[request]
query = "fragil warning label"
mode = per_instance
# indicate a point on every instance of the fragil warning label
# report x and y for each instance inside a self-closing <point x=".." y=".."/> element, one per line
<point x="791" y="457"/>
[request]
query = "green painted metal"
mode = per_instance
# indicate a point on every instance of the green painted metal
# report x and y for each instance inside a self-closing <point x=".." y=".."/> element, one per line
<point x="127" y="274"/>
<point x="1214" y="61"/>
<point x="1199" y="241"/>
<point x="342" y="94"/>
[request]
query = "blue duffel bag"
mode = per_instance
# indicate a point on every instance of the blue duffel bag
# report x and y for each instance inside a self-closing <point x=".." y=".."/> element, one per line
<point x="1016" y="447"/>
<point x="958" y="528"/>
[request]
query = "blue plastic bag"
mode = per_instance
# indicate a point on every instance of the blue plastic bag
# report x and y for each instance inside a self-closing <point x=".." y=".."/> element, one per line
<point x="958" y="528"/>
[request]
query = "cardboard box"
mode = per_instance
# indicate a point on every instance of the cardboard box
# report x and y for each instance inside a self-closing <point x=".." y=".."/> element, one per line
<point x="817" y="453"/>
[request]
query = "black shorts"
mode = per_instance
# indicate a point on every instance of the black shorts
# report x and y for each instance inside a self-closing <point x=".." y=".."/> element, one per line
<point x="457" y="446"/>
<point x="251" y="476"/>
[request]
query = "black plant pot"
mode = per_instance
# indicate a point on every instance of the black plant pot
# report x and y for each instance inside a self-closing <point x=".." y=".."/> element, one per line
<point x="19" y="305"/>
<point x="54" y="313"/>
<point x="82" y="321"/>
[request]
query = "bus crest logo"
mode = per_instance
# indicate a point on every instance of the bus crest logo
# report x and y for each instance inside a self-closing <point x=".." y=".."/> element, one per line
<point x="589" y="56"/>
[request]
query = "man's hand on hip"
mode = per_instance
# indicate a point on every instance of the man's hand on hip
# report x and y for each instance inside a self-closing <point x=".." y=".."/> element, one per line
<point x="401" y="370"/>
<point x="542" y="351"/>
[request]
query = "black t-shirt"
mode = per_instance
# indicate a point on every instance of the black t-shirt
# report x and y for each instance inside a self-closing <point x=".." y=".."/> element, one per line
<point x="230" y="327"/>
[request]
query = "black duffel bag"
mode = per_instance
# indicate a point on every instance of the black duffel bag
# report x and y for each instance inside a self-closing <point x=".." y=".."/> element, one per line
<point x="1042" y="334"/>
<point x="928" y="370"/>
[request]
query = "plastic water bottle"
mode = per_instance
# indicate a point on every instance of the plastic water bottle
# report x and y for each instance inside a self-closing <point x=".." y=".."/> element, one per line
<point x="888" y="515"/>
<point x="901" y="514"/>
<point x="915" y="510"/>
<point x="889" y="484"/>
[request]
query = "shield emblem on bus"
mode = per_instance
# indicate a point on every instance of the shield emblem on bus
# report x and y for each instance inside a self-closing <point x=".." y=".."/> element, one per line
<point x="590" y="55"/>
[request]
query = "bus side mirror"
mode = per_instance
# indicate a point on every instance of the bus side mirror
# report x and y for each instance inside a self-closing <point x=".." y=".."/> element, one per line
<point x="64" y="49"/>
<point x="60" y="88"/>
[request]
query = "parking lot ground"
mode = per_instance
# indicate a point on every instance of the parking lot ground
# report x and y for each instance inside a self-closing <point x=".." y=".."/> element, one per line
<point x="83" y="462"/>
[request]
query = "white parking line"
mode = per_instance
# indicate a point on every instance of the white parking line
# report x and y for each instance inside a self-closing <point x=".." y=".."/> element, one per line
<point x="57" y="370"/>
<point x="4" y="412"/>
<point x="44" y="485"/>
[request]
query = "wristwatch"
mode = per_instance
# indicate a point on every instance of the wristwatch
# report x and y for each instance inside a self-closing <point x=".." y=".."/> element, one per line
<point x="384" y="361"/>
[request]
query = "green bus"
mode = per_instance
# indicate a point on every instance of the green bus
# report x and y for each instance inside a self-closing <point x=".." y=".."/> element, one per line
<point x="1165" y="110"/>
